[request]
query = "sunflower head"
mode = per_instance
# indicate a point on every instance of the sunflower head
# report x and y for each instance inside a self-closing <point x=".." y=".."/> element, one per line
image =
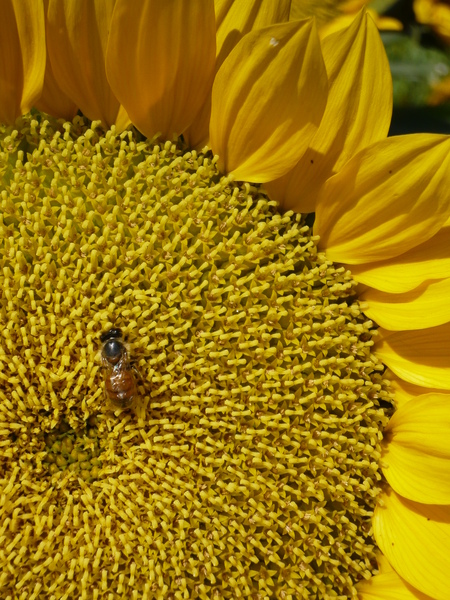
<point x="259" y="455"/>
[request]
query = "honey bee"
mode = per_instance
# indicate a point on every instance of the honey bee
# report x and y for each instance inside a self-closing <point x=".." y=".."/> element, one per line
<point x="120" y="380"/>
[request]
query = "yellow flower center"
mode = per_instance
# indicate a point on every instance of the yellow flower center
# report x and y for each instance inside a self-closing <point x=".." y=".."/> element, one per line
<point x="249" y="465"/>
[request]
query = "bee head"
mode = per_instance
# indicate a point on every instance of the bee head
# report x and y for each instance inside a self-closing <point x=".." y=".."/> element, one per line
<point x="111" y="334"/>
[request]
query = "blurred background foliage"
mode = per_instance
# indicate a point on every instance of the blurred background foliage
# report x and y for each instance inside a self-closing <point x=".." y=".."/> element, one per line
<point x="419" y="55"/>
<point x="416" y="35"/>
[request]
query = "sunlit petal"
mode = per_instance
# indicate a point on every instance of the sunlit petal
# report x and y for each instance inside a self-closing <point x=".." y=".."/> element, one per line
<point x="233" y="21"/>
<point x="361" y="94"/>
<point x="421" y="357"/>
<point x="417" y="450"/>
<point x="389" y="586"/>
<point x="22" y="57"/>
<point x="428" y="261"/>
<point x="344" y="20"/>
<point x="265" y="104"/>
<point x="416" y="538"/>
<point x="160" y="61"/>
<point x="405" y="391"/>
<point x="389" y="198"/>
<point x="426" y="306"/>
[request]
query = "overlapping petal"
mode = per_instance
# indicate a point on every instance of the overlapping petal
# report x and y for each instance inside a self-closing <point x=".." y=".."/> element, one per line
<point x="360" y="93"/>
<point x="389" y="586"/>
<point x="265" y="105"/>
<point x="426" y="306"/>
<point x="53" y="100"/>
<point x="425" y="262"/>
<point x="163" y="77"/>
<point x="389" y="198"/>
<point x="323" y="11"/>
<point x="405" y="391"/>
<point x="420" y="357"/>
<point x="417" y="451"/>
<point x="343" y="21"/>
<point x="332" y="15"/>
<point x="22" y="57"/>
<point x="415" y="538"/>
<point x="233" y="21"/>
<point x="77" y="32"/>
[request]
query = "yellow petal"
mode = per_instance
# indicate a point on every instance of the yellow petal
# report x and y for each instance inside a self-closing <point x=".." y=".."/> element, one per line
<point x="267" y="101"/>
<point x="233" y="21"/>
<point x="388" y="586"/>
<point x="430" y="260"/>
<point x="122" y="119"/>
<point x="426" y="306"/>
<point x="417" y="449"/>
<point x="22" y="57"/>
<point x="421" y="357"/>
<point x="323" y="10"/>
<point x="405" y="391"/>
<point x="358" y="112"/>
<point x="416" y="538"/>
<point x="77" y="37"/>
<point x="383" y="563"/>
<point x="382" y="23"/>
<point x="160" y="61"/>
<point x="398" y="590"/>
<point x="389" y="198"/>
<point x="53" y="100"/>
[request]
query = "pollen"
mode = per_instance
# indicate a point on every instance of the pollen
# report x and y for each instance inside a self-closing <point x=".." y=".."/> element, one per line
<point x="249" y="465"/>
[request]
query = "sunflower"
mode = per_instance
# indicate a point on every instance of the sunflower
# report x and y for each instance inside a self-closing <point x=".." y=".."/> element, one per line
<point x="216" y="182"/>
<point x="436" y="15"/>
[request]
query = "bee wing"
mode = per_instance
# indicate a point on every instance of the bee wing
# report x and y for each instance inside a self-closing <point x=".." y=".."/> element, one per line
<point x="106" y="364"/>
<point x="137" y="374"/>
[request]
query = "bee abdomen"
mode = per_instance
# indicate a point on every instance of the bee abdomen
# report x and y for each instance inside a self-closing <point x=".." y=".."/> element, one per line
<point x="121" y="388"/>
